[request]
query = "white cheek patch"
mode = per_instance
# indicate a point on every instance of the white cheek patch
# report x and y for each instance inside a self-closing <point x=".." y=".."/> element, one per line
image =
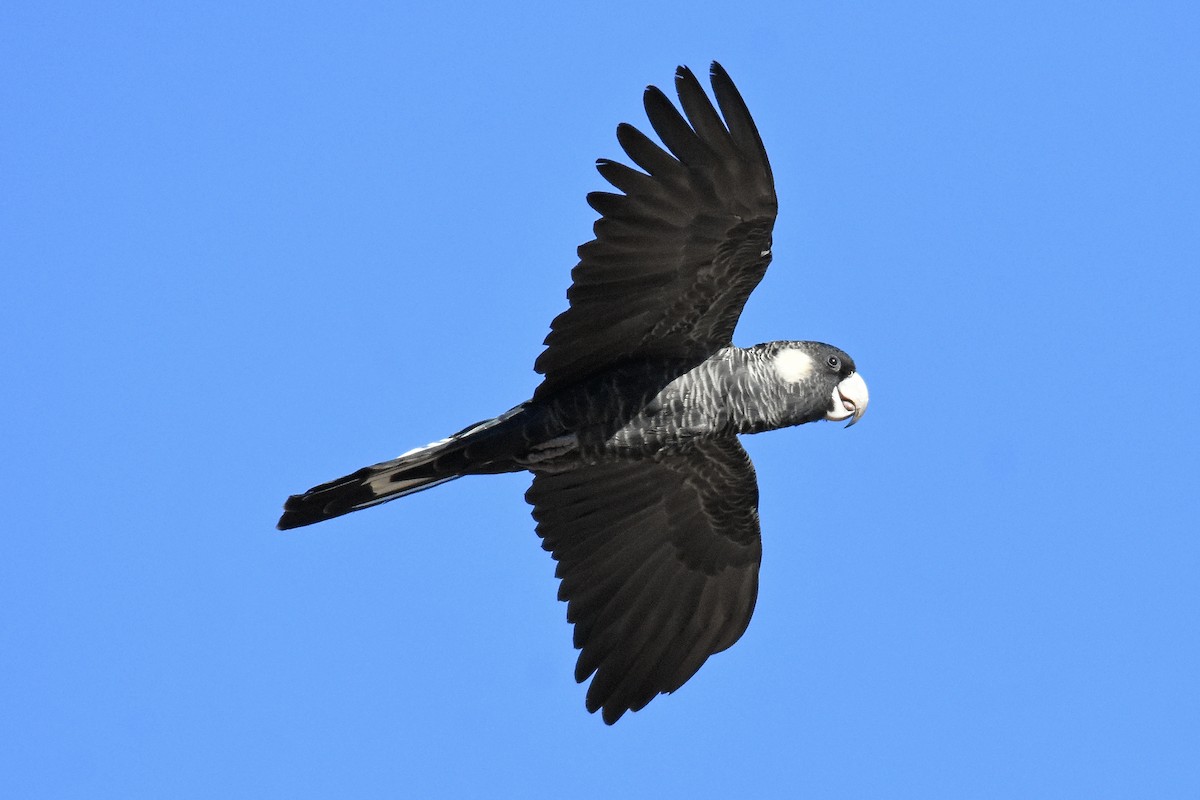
<point x="793" y="366"/>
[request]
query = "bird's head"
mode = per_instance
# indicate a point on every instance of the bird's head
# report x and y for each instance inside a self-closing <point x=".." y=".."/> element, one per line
<point x="820" y="381"/>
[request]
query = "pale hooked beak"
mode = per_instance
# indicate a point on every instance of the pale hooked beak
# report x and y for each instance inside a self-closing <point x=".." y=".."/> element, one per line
<point x="849" y="400"/>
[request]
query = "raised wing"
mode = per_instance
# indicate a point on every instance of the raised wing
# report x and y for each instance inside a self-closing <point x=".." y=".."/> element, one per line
<point x="676" y="256"/>
<point x="659" y="565"/>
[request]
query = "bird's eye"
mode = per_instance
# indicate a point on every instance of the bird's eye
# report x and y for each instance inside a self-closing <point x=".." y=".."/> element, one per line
<point x="834" y="362"/>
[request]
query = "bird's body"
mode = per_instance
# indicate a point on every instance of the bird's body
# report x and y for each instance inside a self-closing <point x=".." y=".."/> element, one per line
<point x="644" y="409"/>
<point x="641" y="490"/>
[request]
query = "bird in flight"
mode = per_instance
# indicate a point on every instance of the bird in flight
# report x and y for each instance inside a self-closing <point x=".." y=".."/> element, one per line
<point x="641" y="491"/>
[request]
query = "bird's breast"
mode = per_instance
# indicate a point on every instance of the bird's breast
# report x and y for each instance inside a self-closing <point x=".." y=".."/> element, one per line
<point x="641" y="409"/>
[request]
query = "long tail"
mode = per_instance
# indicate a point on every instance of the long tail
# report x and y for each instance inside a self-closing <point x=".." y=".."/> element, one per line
<point x="414" y="471"/>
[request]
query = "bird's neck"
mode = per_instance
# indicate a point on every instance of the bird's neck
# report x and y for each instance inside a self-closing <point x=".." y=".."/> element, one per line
<point x="758" y="398"/>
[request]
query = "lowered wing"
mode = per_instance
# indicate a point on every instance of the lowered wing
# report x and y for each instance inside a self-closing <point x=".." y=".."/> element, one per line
<point x="659" y="565"/>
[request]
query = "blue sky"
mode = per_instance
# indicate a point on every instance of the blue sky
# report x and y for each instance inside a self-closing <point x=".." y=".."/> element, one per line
<point x="248" y="248"/>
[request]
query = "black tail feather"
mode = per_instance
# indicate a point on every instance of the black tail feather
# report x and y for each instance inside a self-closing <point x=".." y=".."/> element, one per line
<point x="415" y="471"/>
<point x="351" y="493"/>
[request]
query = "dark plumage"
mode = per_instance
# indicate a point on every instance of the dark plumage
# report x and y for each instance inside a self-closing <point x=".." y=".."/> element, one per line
<point x="641" y="490"/>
